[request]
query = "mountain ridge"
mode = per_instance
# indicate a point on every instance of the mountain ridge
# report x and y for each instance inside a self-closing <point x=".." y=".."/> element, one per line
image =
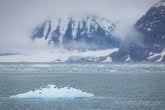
<point x="87" y="32"/>
<point x="151" y="25"/>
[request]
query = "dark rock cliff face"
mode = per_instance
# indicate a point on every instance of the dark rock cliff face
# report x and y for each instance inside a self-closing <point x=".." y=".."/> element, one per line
<point x="152" y="27"/>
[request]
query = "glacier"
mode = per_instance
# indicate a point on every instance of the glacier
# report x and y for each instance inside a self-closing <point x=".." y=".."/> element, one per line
<point x="56" y="56"/>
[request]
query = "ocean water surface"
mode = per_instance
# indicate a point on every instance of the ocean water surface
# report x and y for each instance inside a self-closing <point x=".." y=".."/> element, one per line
<point x="89" y="86"/>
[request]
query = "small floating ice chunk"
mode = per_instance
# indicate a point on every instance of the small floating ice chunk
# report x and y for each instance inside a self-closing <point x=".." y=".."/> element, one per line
<point x="41" y="65"/>
<point x="51" y="91"/>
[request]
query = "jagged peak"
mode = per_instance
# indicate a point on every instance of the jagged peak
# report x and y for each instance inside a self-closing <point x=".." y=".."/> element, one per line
<point x="160" y="3"/>
<point x="89" y="20"/>
<point x="74" y="30"/>
<point x="75" y="22"/>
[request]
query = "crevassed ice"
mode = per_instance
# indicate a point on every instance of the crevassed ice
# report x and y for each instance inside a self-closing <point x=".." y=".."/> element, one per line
<point x="51" y="91"/>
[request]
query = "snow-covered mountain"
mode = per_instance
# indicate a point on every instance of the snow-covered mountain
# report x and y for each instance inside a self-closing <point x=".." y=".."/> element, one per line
<point x="152" y="27"/>
<point x="86" y="32"/>
<point x="152" y="48"/>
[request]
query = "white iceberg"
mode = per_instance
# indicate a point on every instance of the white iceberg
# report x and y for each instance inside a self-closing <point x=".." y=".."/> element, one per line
<point x="51" y="91"/>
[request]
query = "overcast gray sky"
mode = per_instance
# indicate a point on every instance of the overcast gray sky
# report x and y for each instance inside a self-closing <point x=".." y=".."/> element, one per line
<point x="18" y="17"/>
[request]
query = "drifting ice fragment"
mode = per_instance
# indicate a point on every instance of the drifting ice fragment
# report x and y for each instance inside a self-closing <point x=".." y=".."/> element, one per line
<point x="51" y="91"/>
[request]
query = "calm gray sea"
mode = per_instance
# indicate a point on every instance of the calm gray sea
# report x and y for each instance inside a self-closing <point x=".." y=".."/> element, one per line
<point x="115" y="86"/>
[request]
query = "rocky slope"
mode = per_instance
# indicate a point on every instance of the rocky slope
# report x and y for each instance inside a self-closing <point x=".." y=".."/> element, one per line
<point x="87" y="32"/>
<point x="152" y="27"/>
